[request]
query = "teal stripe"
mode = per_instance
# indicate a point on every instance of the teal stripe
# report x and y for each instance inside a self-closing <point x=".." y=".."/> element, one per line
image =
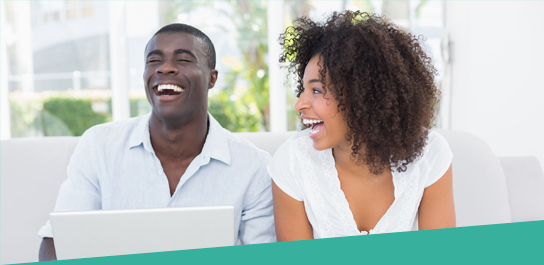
<point x="515" y="243"/>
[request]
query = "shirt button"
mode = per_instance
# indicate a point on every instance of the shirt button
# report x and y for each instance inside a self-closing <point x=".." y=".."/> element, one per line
<point x="160" y="172"/>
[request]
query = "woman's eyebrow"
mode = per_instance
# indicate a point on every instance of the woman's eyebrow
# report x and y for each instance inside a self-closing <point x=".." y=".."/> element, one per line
<point x="314" y="81"/>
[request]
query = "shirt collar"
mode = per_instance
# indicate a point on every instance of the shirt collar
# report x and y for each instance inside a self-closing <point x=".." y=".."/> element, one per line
<point x="140" y="135"/>
<point x="216" y="145"/>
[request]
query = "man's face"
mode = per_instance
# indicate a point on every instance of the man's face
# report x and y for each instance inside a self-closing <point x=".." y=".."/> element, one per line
<point x="177" y="76"/>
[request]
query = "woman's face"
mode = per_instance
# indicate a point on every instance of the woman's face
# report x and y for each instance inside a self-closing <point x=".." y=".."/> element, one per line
<point x="329" y="127"/>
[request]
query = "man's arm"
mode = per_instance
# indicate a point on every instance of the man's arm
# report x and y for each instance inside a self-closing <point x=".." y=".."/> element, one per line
<point x="79" y="192"/>
<point x="257" y="221"/>
<point x="47" y="250"/>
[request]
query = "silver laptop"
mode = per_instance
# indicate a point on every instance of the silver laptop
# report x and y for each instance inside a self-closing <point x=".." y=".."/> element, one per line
<point x="119" y="232"/>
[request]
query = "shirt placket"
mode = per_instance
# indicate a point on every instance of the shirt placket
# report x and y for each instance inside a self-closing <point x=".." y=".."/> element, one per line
<point x="199" y="161"/>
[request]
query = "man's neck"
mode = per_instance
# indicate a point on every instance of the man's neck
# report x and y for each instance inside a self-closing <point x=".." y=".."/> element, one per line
<point x="178" y="141"/>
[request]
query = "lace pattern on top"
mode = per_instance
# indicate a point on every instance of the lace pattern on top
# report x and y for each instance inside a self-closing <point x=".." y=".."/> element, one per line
<point x="410" y="184"/>
<point x="405" y="186"/>
<point x="314" y="191"/>
<point x="333" y="183"/>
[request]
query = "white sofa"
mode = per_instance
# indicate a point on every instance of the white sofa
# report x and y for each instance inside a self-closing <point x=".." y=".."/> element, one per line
<point x="487" y="189"/>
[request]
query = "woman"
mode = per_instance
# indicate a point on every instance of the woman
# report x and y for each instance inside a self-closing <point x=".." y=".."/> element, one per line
<point x="369" y="163"/>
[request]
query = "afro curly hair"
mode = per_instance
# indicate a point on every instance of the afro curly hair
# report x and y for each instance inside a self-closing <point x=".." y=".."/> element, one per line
<point x="381" y="78"/>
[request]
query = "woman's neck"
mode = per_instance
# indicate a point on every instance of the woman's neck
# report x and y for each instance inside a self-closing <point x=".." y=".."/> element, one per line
<point x="344" y="159"/>
<point x="346" y="162"/>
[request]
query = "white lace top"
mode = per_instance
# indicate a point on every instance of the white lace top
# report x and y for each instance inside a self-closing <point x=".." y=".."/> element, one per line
<point x="310" y="176"/>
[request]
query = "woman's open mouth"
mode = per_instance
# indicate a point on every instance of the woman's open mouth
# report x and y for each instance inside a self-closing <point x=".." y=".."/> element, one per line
<point x="317" y="127"/>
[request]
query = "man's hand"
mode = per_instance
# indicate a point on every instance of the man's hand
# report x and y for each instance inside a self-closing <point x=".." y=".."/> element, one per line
<point x="47" y="250"/>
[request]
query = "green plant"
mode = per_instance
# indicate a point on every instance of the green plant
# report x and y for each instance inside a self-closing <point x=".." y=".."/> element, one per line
<point x="76" y="113"/>
<point x="234" y="108"/>
<point x="23" y="117"/>
<point x="139" y="106"/>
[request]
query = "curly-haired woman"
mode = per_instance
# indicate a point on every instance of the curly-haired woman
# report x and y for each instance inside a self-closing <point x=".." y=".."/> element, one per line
<point x="369" y="163"/>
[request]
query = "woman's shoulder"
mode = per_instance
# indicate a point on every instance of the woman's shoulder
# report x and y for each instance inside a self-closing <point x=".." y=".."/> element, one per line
<point x="436" y="158"/>
<point x="297" y="149"/>
<point x="296" y="141"/>
<point x="435" y="137"/>
<point x="436" y="152"/>
<point x="284" y="168"/>
<point x="436" y="145"/>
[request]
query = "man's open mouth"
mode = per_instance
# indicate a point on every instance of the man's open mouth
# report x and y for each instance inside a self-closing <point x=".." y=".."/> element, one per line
<point x="167" y="90"/>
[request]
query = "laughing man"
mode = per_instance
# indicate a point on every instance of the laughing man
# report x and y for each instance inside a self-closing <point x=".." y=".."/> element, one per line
<point x="176" y="156"/>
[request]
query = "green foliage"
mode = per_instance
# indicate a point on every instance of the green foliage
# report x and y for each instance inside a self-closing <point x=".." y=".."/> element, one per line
<point x="76" y="113"/>
<point x="23" y="116"/>
<point x="233" y="113"/>
<point x="64" y="115"/>
<point x="139" y="106"/>
<point x="249" y="82"/>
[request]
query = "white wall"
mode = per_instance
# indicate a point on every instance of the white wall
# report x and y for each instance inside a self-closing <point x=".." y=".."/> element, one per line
<point x="64" y="30"/>
<point x="5" y="125"/>
<point x="497" y="84"/>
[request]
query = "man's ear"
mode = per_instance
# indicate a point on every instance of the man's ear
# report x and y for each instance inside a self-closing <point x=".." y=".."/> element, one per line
<point x="213" y="78"/>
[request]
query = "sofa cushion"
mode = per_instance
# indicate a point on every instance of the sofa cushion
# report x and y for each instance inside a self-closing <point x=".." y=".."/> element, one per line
<point x="479" y="184"/>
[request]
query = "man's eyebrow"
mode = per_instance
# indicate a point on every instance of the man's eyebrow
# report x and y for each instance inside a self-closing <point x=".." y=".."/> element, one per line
<point x="179" y="51"/>
<point x="157" y="52"/>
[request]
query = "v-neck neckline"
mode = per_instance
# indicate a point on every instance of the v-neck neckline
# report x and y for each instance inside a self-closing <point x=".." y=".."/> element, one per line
<point x="346" y="210"/>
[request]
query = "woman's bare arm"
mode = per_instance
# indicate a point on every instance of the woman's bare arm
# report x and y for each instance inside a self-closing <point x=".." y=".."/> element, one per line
<point x="290" y="217"/>
<point x="437" y="209"/>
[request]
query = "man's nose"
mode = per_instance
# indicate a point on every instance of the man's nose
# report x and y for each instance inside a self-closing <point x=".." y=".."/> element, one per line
<point x="167" y="68"/>
<point x="302" y="102"/>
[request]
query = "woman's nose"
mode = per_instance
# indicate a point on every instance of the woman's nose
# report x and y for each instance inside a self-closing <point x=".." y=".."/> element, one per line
<point x="302" y="102"/>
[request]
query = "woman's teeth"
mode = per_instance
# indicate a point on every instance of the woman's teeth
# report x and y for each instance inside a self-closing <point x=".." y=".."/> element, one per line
<point x="316" y="129"/>
<point x="174" y="88"/>
<point x="317" y="125"/>
<point x="308" y="121"/>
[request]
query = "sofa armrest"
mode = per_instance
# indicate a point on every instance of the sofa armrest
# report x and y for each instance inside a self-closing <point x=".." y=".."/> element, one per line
<point x="525" y="182"/>
<point x="31" y="172"/>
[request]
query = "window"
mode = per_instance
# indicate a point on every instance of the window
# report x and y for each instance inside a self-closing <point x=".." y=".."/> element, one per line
<point x="61" y="60"/>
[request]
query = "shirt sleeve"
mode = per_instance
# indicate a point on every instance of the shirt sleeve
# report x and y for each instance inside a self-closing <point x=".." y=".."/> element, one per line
<point x="282" y="168"/>
<point x="81" y="190"/>
<point x="257" y="221"/>
<point x="439" y="156"/>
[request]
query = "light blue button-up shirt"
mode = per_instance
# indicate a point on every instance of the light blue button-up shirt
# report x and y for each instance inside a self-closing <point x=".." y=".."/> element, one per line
<point x="114" y="166"/>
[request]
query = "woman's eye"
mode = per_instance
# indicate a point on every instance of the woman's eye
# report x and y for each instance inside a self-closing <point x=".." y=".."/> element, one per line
<point x="316" y="91"/>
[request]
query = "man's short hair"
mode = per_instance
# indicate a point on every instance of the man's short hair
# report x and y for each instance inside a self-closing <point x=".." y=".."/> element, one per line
<point x="208" y="48"/>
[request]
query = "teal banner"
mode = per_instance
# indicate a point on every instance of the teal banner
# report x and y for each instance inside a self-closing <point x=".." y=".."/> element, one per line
<point x="515" y="243"/>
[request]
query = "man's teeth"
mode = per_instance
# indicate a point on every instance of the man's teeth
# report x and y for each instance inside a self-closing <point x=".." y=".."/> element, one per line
<point x="308" y="121"/>
<point x="169" y="87"/>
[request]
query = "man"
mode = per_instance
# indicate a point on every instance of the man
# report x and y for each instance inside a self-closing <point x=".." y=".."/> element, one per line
<point x="176" y="156"/>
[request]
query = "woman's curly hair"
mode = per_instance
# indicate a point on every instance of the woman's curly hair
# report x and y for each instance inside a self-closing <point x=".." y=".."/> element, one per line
<point x="381" y="78"/>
